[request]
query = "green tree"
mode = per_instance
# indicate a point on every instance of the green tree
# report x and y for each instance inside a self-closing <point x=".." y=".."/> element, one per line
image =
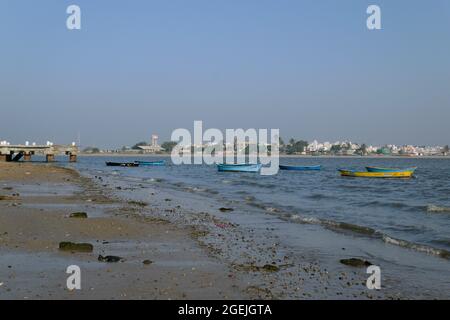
<point x="168" y="146"/>
<point x="362" y="149"/>
<point x="137" y="145"/>
<point x="335" y="148"/>
<point x="300" y="146"/>
<point x="91" y="150"/>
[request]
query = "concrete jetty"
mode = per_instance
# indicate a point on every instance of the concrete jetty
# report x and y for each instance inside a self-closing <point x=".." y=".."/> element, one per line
<point x="17" y="152"/>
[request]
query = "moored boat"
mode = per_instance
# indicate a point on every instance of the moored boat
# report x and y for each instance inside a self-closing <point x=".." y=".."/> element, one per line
<point x="365" y="174"/>
<point x="239" y="167"/>
<point x="151" y="163"/>
<point x="380" y="169"/>
<point x="300" y="168"/>
<point x="122" y="164"/>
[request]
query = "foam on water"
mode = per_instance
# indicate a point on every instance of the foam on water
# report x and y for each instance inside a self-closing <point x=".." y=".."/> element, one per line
<point x="437" y="209"/>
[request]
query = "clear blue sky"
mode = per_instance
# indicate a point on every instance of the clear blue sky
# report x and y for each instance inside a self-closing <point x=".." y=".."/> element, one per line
<point x="309" y="68"/>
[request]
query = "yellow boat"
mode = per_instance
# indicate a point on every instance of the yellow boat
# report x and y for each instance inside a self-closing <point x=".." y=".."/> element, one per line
<point x="391" y="174"/>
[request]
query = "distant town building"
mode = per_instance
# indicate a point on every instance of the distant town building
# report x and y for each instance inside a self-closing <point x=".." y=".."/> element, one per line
<point x="154" y="147"/>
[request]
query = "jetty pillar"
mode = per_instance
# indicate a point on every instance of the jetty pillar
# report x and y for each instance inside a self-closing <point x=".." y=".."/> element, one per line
<point x="72" y="158"/>
<point x="3" y="157"/>
<point x="27" y="156"/>
<point x="50" y="157"/>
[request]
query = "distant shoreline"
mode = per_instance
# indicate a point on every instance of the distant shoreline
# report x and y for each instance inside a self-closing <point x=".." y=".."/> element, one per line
<point x="281" y="156"/>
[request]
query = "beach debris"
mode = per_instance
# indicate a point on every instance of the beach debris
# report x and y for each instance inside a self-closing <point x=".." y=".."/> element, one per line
<point x="76" y="247"/>
<point x="8" y="188"/>
<point x="222" y="225"/>
<point x="225" y="209"/>
<point x="138" y="203"/>
<point x="355" y="262"/>
<point x="109" y="259"/>
<point x="199" y="233"/>
<point x="167" y="199"/>
<point x="7" y="198"/>
<point x="147" y="262"/>
<point x="255" y="268"/>
<point x="79" y="215"/>
<point x="260" y="293"/>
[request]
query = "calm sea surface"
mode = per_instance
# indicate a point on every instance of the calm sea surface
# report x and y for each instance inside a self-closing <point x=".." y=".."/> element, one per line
<point x="413" y="213"/>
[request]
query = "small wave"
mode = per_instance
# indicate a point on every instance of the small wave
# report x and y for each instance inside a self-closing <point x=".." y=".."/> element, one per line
<point x="438" y="209"/>
<point x="397" y="205"/>
<point x="308" y="220"/>
<point x="417" y="247"/>
<point x="249" y="198"/>
<point x="200" y="190"/>
<point x="319" y="196"/>
<point x="255" y="184"/>
<point x="366" y="231"/>
<point x="194" y="189"/>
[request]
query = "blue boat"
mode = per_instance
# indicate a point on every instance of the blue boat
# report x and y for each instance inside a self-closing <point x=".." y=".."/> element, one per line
<point x="151" y="163"/>
<point x="379" y="169"/>
<point x="300" y="168"/>
<point x="239" y="167"/>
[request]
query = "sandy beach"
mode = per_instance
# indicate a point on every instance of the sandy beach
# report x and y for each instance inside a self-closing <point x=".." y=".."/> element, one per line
<point x="35" y="203"/>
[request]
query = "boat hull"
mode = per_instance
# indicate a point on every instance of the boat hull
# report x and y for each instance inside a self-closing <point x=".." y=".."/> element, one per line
<point x="239" y="167"/>
<point x="151" y="163"/>
<point x="300" y="168"/>
<point x="365" y="174"/>
<point x="379" y="169"/>
<point x="122" y="164"/>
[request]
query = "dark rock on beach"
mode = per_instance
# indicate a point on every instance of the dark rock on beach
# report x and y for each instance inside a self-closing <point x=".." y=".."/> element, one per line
<point x="271" y="268"/>
<point x="76" y="247"/>
<point x="147" y="262"/>
<point x="109" y="259"/>
<point x="355" y="262"/>
<point x="226" y="209"/>
<point x="79" y="215"/>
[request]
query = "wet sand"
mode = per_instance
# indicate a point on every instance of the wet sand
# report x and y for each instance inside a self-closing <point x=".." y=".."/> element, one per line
<point x="35" y="203"/>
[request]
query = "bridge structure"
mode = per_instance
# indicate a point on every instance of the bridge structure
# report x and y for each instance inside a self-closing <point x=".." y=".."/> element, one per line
<point x="17" y="152"/>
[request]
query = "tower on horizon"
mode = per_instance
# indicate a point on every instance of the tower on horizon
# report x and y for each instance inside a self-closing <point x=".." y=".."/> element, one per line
<point x="155" y="140"/>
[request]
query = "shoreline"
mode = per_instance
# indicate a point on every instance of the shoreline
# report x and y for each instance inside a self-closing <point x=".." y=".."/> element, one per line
<point x="165" y="155"/>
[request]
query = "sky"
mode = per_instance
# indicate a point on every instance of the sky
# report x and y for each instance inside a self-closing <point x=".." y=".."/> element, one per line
<point x="309" y="68"/>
